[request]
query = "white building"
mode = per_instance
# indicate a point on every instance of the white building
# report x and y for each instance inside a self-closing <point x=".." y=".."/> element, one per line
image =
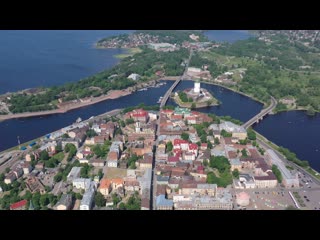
<point x="112" y="163"/>
<point x="87" y="199"/>
<point x="81" y="183"/>
<point x="194" y="70"/>
<point x="74" y="173"/>
<point x="288" y="179"/>
<point x="134" y="76"/>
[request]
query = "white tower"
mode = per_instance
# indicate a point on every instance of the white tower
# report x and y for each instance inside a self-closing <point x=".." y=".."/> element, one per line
<point x="138" y="127"/>
<point x="196" y="88"/>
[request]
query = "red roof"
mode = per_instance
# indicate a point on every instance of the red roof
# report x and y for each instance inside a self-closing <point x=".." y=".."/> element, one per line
<point x="191" y="118"/>
<point x="18" y="204"/>
<point x="179" y="141"/>
<point x="173" y="159"/>
<point x="204" y="144"/>
<point x="139" y="113"/>
<point x="193" y="146"/>
<point x="176" y="117"/>
<point x="177" y="151"/>
<point x="200" y="168"/>
<point x="167" y="111"/>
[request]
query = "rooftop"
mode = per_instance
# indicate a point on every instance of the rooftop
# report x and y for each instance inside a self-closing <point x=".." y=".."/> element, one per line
<point x="162" y="201"/>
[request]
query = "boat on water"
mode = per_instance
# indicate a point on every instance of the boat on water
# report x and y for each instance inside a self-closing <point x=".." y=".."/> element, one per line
<point x="160" y="99"/>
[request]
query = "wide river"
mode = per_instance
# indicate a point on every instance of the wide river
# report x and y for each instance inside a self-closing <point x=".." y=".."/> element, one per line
<point x="33" y="58"/>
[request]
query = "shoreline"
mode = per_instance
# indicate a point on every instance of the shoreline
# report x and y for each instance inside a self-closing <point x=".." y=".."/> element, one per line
<point x="109" y="113"/>
<point x="111" y="95"/>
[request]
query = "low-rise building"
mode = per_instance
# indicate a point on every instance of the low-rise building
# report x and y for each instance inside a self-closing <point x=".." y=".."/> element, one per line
<point x="64" y="203"/>
<point x="97" y="163"/>
<point x="10" y="178"/>
<point x="268" y="181"/>
<point x="289" y="180"/>
<point x="27" y="168"/>
<point x="164" y="204"/>
<point x="87" y="199"/>
<point x="81" y="183"/>
<point x="74" y="173"/>
<point x="105" y="187"/>
<point x="35" y="185"/>
<point x="71" y="141"/>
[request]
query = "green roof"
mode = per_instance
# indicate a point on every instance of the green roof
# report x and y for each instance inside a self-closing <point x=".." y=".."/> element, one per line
<point x="179" y="110"/>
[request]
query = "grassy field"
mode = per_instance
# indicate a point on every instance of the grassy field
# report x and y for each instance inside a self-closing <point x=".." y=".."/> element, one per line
<point x="115" y="173"/>
<point x="130" y="52"/>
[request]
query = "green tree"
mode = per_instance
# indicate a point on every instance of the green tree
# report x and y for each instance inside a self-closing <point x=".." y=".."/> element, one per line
<point x="216" y="141"/>
<point x="219" y="162"/>
<point x="209" y="145"/>
<point x="44" y="201"/>
<point x="78" y="196"/>
<point x="44" y="155"/>
<point x="99" y="199"/>
<point x="59" y="148"/>
<point x="7" y="169"/>
<point x="115" y="199"/>
<point x="100" y="173"/>
<point x="224" y="133"/>
<point x="91" y="133"/>
<point x="122" y="206"/>
<point x="251" y="134"/>
<point x="244" y="153"/>
<point x="277" y="172"/>
<point x="185" y="136"/>
<point x="129" y="121"/>
<point x="193" y="105"/>
<point x="58" y="177"/>
<point x="169" y="146"/>
<point x="235" y="173"/>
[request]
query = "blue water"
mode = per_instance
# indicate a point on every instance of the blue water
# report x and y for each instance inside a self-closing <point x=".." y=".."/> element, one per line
<point x="296" y="131"/>
<point x="33" y="58"/>
<point x="227" y="35"/>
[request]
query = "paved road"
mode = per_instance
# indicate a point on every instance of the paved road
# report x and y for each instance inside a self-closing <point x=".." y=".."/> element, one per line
<point x="263" y="113"/>
<point x="163" y="102"/>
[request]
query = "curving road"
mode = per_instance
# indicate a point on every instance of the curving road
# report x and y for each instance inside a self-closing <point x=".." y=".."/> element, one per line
<point x="263" y="113"/>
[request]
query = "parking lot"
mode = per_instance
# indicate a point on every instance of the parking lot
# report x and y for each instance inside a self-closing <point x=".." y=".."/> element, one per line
<point x="268" y="199"/>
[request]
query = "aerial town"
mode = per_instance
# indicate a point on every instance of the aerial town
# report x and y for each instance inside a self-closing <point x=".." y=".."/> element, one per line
<point x="172" y="159"/>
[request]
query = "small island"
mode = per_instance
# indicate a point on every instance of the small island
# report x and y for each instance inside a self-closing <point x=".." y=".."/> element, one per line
<point x="196" y="97"/>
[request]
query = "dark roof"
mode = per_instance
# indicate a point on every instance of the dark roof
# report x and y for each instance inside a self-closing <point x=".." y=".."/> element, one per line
<point x="270" y="176"/>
